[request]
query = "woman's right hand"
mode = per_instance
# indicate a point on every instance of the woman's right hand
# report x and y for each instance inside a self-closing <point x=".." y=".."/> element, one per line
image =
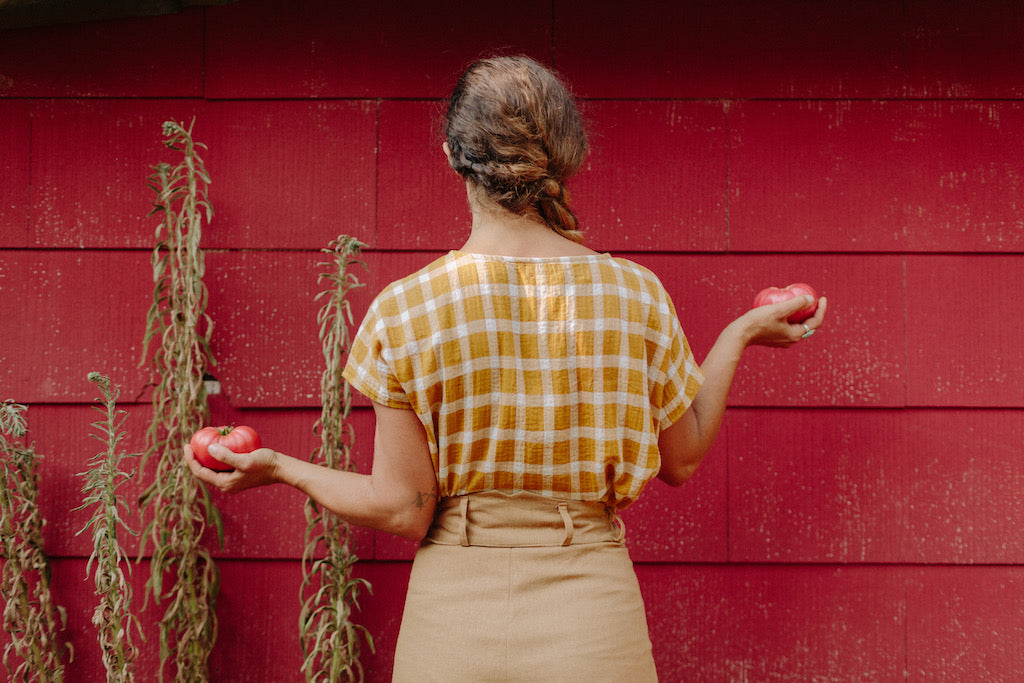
<point x="258" y="468"/>
<point x="768" y="326"/>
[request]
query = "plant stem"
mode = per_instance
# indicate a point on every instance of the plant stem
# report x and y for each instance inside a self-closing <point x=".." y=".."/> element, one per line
<point x="330" y="641"/>
<point x="180" y="504"/>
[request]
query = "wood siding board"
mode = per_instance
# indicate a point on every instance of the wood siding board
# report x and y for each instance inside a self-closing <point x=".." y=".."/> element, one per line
<point x="757" y="622"/>
<point x="964" y="330"/>
<point x="270" y="522"/>
<point x="260" y="157"/>
<point x="258" y="613"/>
<point x="735" y="49"/>
<point x="814" y="486"/>
<point x="655" y="178"/>
<point x="964" y="49"/>
<point x="876" y="176"/>
<point x="290" y="174"/>
<point x="15" y="130"/>
<point x="90" y="164"/>
<point x="642" y="51"/>
<point x="875" y="486"/>
<point x="68" y="313"/>
<point x="130" y="57"/>
<point x="266" y="336"/>
<point x="73" y="589"/>
<point x="275" y="49"/>
<point x="390" y="547"/>
<point x="840" y="366"/>
<point x="423" y="202"/>
<point x="964" y="623"/>
<point x="963" y="476"/>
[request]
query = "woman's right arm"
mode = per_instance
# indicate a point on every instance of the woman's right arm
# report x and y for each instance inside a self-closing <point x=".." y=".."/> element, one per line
<point x="684" y="444"/>
<point x="397" y="496"/>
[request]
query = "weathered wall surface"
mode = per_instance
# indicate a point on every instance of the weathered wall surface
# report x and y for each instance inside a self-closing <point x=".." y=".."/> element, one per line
<point x="859" y="518"/>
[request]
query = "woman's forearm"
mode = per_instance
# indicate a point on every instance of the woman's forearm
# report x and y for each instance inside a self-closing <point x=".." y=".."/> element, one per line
<point x="355" y="498"/>
<point x="719" y="368"/>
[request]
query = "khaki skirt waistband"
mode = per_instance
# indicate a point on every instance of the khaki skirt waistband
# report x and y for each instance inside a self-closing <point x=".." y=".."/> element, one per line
<point x="522" y="520"/>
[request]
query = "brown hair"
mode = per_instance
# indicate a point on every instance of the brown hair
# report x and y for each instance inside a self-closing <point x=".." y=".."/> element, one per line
<point x="513" y="129"/>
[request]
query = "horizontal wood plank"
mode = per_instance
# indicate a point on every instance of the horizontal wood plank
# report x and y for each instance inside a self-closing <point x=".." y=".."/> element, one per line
<point x="655" y="178"/>
<point x="689" y="523"/>
<point x="963" y="623"/>
<point x="966" y="50"/>
<point x="845" y="486"/>
<point x="90" y="163"/>
<point x="964" y="330"/>
<point x="15" y="128"/>
<point x="755" y="622"/>
<point x="741" y="48"/>
<point x="875" y="176"/>
<point x="290" y="175"/>
<point x="423" y="202"/>
<point x="117" y="58"/>
<point x="841" y="365"/>
<point x="274" y="48"/>
<point x="266" y="523"/>
<point x="69" y="313"/>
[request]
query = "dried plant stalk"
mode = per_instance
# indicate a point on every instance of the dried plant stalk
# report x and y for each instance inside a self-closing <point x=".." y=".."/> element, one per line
<point x="112" y="617"/>
<point x="30" y="615"/>
<point x="180" y="505"/>
<point x="330" y="640"/>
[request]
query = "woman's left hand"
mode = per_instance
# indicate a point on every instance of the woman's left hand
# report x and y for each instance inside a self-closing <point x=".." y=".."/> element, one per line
<point x="768" y="325"/>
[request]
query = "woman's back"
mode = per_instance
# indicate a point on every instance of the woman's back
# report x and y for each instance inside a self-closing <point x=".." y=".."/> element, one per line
<point x="545" y="375"/>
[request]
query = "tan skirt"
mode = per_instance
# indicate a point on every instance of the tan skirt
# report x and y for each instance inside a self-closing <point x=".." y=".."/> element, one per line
<point x="523" y="588"/>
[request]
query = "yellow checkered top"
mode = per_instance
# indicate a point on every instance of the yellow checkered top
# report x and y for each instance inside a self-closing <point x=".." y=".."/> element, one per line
<point x="547" y="375"/>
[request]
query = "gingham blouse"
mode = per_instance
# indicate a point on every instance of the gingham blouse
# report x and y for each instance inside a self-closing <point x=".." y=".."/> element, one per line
<point x="548" y="375"/>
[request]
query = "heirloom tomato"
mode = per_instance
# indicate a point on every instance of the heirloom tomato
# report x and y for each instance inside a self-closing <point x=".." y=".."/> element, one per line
<point x="236" y="439"/>
<point x="774" y="295"/>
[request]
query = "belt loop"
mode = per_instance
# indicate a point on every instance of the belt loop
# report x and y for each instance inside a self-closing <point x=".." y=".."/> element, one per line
<point x="618" y="525"/>
<point x="563" y="509"/>
<point x="463" y="520"/>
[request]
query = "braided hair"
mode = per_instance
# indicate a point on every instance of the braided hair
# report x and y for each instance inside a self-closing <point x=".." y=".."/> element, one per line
<point x="512" y="128"/>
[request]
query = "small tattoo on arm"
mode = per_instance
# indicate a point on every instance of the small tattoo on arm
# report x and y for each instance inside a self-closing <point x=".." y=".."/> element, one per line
<point x="423" y="498"/>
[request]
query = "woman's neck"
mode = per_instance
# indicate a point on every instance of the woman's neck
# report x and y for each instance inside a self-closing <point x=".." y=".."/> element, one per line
<point x="499" y="232"/>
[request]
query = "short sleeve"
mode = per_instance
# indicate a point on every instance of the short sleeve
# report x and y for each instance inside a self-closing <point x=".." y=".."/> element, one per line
<point x="684" y="378"/>
<point x="676" y="376"/>
<point x="369" y="369"/>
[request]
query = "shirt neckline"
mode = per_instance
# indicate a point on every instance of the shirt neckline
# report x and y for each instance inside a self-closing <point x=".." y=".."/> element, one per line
<point x="457" y="253"/>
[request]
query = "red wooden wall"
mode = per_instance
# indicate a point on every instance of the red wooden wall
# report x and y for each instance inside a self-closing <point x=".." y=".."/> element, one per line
<point x="860" y="517"/>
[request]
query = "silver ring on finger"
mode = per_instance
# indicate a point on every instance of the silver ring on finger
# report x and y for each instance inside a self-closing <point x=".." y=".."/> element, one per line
<point x="808" y="331"/>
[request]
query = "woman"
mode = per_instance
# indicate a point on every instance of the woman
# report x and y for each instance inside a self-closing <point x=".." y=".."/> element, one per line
<point x="525" y="388"/>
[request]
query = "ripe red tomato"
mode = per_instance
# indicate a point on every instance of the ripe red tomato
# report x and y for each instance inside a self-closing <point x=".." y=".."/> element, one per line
<point x="237" y="439"/>
<point x="773" y="295"/>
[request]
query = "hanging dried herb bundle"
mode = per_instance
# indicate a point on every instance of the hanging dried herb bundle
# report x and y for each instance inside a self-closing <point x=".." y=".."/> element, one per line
<point x="30" y="616"/>
<point x="330" y="640"/>
<point x="179" y="505"/>
<point x="112" y="617"/>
